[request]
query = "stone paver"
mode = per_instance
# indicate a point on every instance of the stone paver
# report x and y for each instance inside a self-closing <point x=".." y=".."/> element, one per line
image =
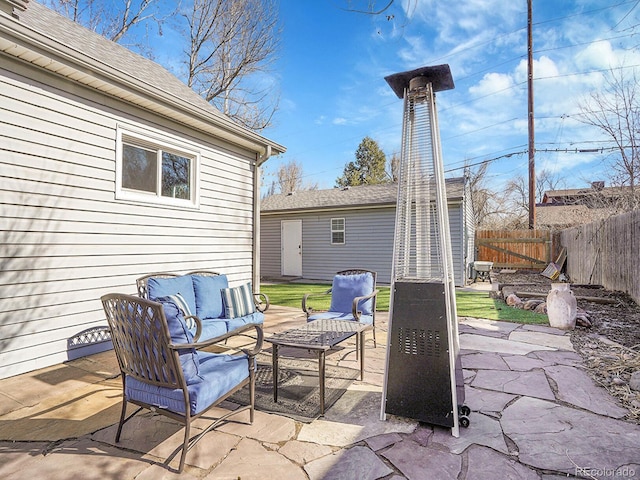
<point x="545" y="339"/>
<point x="533" y="383"/>
<point x="252" y="461"/>
<point x="484" y="360"/>
<point x="577" y="388"/>
<point x="483" y="430"/>
<point x="417" y="462"/>
<point x="499" y="345"/>
<point x="554" y="437"/>
<point x="304" y="452"/>
<point x="483" y="462"/>
<point x="486" y="400"/>
<point x="356" y="462"/>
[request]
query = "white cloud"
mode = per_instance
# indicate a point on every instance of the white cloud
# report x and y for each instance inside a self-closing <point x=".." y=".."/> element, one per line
<point x="491" y="83"/>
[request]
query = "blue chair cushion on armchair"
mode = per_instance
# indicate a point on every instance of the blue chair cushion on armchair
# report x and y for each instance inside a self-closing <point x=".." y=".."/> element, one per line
<point x="346" y="287"/>
<point x="219" y="374"/>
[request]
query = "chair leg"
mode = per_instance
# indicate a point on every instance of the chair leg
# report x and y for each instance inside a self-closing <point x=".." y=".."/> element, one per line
<point x="252" y="389"/>
<point x="122" y="420"/>
<point x="185" y="445"/>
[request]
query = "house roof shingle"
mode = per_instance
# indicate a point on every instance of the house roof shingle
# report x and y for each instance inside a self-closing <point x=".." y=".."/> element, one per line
<point x="349" y="197"/>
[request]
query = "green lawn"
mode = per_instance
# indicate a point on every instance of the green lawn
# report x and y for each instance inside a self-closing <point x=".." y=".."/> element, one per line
<point x="469" y="304"/>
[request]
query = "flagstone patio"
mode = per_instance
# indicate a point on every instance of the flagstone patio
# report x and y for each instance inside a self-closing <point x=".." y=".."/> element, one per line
<point x="535" y="415"/>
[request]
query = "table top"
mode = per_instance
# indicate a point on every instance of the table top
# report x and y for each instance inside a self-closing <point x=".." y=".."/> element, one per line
<point x="319" y="334"/>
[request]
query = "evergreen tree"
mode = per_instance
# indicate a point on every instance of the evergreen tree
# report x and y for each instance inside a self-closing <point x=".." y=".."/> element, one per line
<point x="368" y="168"/>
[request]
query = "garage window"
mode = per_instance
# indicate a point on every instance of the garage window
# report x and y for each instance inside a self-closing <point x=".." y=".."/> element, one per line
<point x="337" y="231"/>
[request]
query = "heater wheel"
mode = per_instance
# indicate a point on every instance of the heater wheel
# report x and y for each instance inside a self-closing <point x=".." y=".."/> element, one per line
<point x="463" y="415"/>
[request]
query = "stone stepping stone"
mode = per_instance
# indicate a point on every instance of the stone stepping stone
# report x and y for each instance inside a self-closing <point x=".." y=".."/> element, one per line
<point x="531" y="384"/>
<point x="416" y="461"/>
<point x="357" y="462"/>
<point x="559" y="438"/>
<point x="577" y="388"/>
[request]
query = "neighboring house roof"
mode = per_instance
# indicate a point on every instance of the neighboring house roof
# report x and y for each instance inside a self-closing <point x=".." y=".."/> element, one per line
<point x="363" y="196"/>
<point x="557" y="217"/>
<point x="588" y="195"/>
<point x="38" y="35"/>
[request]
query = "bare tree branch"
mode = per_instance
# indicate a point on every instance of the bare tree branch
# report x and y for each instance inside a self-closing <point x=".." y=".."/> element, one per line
<point x="615" y="110"/>
<point x="232" y="44"/>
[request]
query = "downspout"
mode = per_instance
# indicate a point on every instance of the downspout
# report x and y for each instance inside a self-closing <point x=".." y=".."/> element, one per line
<point x="255" y="260"/>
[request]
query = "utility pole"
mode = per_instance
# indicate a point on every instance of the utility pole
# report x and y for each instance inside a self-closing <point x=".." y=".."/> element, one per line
<point x="532" y="148"/>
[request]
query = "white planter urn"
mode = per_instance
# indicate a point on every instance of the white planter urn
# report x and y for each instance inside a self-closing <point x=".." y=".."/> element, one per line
<point x="561" y="306"/>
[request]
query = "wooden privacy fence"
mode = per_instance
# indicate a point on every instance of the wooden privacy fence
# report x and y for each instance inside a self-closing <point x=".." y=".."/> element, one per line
<point x="517" y="249"/>
<point x="606" y="253"/>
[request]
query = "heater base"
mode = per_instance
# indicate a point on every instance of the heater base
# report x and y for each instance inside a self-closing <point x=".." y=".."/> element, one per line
<point x="421" y="362"/>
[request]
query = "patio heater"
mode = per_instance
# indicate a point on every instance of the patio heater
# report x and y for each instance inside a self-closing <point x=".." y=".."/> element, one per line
<point x="423" y="377"/>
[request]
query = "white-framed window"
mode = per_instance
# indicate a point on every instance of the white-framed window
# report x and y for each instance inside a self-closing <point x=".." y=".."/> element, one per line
<point x="157" y="170"/>
<point x="337" y="231"/>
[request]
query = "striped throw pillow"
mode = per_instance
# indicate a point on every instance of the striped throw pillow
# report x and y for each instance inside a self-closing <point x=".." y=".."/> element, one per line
<point x="183" y="306"/>
<point x="238" y="301"/>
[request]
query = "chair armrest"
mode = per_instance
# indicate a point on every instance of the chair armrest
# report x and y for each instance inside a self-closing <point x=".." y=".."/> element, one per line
<point x="354" y="309"/>
<point x="196" y="336"/>
<point x="221" y="338"/>
<point x="307" y="308"/>
<point x="262" y="302"/>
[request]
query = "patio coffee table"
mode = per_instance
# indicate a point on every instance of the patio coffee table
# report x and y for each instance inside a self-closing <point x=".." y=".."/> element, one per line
<point x="320" y="336"/>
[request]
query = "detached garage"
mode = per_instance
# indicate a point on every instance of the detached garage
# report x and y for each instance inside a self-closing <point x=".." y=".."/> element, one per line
<point x="311" y="234"/>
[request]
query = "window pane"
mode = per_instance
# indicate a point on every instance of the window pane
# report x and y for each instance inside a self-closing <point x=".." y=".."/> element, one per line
<point x="175" y="176"/>
<point x="337" y="237"/>
<point x="139" y="169"/>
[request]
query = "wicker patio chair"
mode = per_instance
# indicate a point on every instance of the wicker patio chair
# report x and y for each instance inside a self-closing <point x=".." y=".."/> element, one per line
<point x="353" y="297"/>
<point x="163" y="371"/>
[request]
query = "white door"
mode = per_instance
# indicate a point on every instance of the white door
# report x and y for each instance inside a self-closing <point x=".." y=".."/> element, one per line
<point x="291" y="245"/>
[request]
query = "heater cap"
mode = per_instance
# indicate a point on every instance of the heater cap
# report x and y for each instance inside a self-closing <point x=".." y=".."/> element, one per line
<point x="439" y="76"/>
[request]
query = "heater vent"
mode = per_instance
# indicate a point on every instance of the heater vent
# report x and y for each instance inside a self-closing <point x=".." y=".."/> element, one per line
<point x="413" y="341"/>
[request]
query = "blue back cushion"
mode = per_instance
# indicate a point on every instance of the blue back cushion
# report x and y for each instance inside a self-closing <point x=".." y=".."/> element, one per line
<point x="346" y="287"/>
<point x="180" y="333"/>
<point x="208" y="296"/>
<point x="162" y="287"/>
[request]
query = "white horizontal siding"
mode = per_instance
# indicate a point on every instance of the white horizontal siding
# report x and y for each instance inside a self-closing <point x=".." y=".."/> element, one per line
<point x="65" y="240"/>
<point x="270" y="246"/>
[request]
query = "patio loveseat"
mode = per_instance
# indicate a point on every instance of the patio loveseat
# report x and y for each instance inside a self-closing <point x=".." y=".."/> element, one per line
<point x="210" y="307"/>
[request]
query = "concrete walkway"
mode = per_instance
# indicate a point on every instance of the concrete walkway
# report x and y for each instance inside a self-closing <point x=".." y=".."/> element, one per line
<point x="535" y="415"/>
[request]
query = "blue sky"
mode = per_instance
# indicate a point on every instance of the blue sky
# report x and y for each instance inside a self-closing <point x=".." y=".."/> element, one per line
<point x="332" y="65"/>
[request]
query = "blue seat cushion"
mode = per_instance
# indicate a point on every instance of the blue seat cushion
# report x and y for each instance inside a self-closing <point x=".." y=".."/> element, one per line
<point x="346" y="287"/>
<point x="162" y="287"/>
<point x="219" y="374"/>
<point x="368" y="319"/>
<point x="252" y="318"/>
<point x="211" y="328"/>
<point x="208" y="296"/>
